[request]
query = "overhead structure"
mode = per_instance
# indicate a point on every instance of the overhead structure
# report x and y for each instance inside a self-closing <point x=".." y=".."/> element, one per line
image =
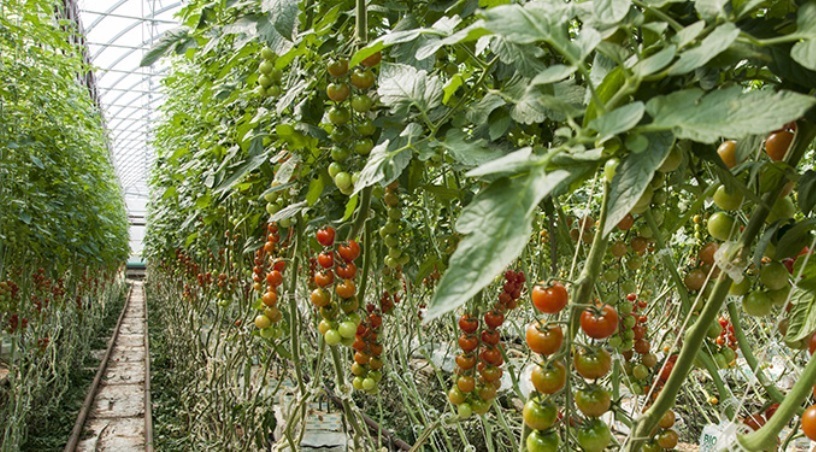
<point x="118" y="34"/>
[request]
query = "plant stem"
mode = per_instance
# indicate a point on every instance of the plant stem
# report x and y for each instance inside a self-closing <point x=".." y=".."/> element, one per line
<point x="748" y="354"/>
<point x="362" y="22"/>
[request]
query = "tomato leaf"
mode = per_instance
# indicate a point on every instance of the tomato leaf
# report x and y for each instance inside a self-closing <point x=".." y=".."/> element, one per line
<point x="802" y="316"/>
<point x="791" y="242"/>
<point x="611" y="11"/>
<point x="289" y="211"/>
<point x="633" y="176"/>
<point x="168" y="40"/>
<point x="497" y="226"/>
<point x="806" y="189"/>
<point x="469" y="153"/>
<point x="804" y="53"/>
<point x="284" y="15"/>
<point x="388" y="159"/>
<point x="728" y="112"/>
<point x="618" y="120"/>
<point x="403" y="87"/>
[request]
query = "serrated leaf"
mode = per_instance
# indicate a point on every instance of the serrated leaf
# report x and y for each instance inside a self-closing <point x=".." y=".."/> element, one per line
<point x="402" y="87"/>
<point x="284" y="15"/>
<point x="727" y="112"/>
<point x="618" y="120"/>
<point x="388" y="159"/>
<point x="804" y="53"/>
<point x="247" y="167"/>
<point x="714" y="44"/>
<point x="289" y="211"/>
<point x="525" y="58"/>
<point x="633" y="176"/>
<point x="168" y="40"/>
<point x="469" y="153"/>
<point x="806" y="190"/>
<point x="511" y="164"/>
<point x="479" y="112"/>
<point x="611" y="11"/>
<point x="497" y="226"/>
<point x="533" y="22"/>
<point x="802" y="316"/>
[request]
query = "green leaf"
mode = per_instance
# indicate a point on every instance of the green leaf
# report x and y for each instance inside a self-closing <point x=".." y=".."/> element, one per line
<point x="804" y="53"/>
<point x="610" y="85"/>
<point x="806" y="189"/>
<point x="479" y="112"/>
<point x="714" y="44"/>
<point x="618" y="120"/>
<point x="552" y="74"/>
<point x="534" y="22"/>
<point x="806" y="20"/>
<point x="315" y="190"/>
<point x="497" y="226"/>
<point x="688" y="34"/>
<point x="802" y="316"/>
<point x="402" y="87"/>
<point x="655" y="63"/>
<point x="710" y="10"/>
<point x="167" y="40"/>
<point x="511" y="164"/>
<point x="469" y="153"/>
<point x="388" y="159"/>
<point x="289" y="211"/>
<point x="727" y="112"/>
<point x="250" y="165"/>
<point x="611" y="11"/>
<point x="350" y="206"/>
<point x="791" y="242"/>
<point x="284" y="14"/>
<point x="633" y="176"/>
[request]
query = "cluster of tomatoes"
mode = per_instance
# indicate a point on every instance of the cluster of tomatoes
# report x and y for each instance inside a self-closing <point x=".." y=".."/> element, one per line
<point x="633" y="252"/>
<point x="591" y="362"/>
<point x="396" y="257"/>
<point x="368" y="349"/>
<point x="632" y="327"/>
<point x="336" y="261"/>
<point x="666" y="438"/>
<point x="271" y="315"/>
<point x="478" y="367"/>
<point x="269" y="82"/>
<point x="351" y="116"/>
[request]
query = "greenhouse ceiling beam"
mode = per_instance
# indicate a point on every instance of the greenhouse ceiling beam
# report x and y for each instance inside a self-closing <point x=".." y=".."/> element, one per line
<point x="126" y="135"/>
<point x="124" y="16"/>
<point x="131" y="89"/>
<point x="141" y="96"/>
<point x="130" y="27"/>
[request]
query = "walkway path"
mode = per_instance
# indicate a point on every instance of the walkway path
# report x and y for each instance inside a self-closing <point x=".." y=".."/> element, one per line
<point x="117" y="419"/>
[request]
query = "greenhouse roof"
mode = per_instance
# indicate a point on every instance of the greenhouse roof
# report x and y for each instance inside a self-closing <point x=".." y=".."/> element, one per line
<point x="118" y="34"/>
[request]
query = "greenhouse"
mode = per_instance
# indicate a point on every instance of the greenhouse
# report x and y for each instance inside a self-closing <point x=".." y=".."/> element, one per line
<point x="378" y="225"/>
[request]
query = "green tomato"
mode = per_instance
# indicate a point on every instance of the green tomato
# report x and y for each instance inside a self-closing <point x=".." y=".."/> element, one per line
<point x="783" y="209"/>
<point x="714" y="330"/>
<point x="266" y="67"/>
<point x="347" y="329"/>
<point x="640" y="372"/>
<point x="594" y="436"/>
<point x="335" y="169"/>
<point x="720" y="361"/>
<point x="610" y="168"/>
<point x="672" y="161"/>
<point x="542" y="441"/>
<point x="725" y="200"/>
<point x="332" y="337"/>
<point x="363" y="146"/>
<point x="369" y="384"/>
<point x="780" y="296"/>
<point x="339" y="154"/>
<point x="268" y="54"/>
<point x="465" y="411"/>
<point x="774" y="276"/>
<point x="539" y="414"/>
<point x="720" y="225"/>
<point x="265" y="81"/>
<point x="343" y="180"/>
<point x="357" y="383"/>
<point x="740" y="288"/>
<point x="757" y="304"/>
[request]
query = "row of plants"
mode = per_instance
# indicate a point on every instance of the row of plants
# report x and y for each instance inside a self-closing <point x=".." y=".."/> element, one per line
<point x="496" y="225"/>
<point x="63" y="227"/>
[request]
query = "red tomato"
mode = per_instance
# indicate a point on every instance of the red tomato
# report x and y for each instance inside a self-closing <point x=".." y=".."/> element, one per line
<point x="550" y="300"/>
<point x="549" y="379"/>
<point x="544" y="339"/>
<point x="325" y="236"/>
<point x="350" y="251"/>
<point x="599" y="324"/>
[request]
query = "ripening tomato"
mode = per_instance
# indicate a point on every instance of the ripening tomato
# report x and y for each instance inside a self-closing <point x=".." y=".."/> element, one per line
<point x="491" y="337"/>
<point x="592" y="364"/>
<point x="468" y="323"/>
<point x="274" y="278"/>
<point x="491" y="356"/>
<point x="667" y="420"/>
<point x="456" y="396"/>
<point x="593" y="400"/>
<point x="777" y="144"/>
<point x="550" y="300"/>
<point x="706" y="254"/>
<point x="338" y="92"/>
<point x="362" y="78"/>
<point x="540" y="414"/>
<point x="551" y="378"/>
<point x="345" y="289"/>
<point x="490" y="374"/>
<point x="599" y="323"/>
<point x="809" y="422"/>
<point x="468" y="342"/>
<point x="667" y="439"/>
<point x="544" y="339"/>
<point x="466" y="384"/>
<point x="728" y="153"/>
<point x="320" y="297"/>
<point x="324" y="278"/>
<point x="372" y="60"/>
<point x="466" y="361"/>
<point x="493" y="319"/>
<point x="338" y="67"/>
<point x="346" y="270"/>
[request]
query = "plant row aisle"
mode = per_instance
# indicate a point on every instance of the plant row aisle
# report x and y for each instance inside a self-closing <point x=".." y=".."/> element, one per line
<point x="488" y="225"/>
<point x="63" y="228"/>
